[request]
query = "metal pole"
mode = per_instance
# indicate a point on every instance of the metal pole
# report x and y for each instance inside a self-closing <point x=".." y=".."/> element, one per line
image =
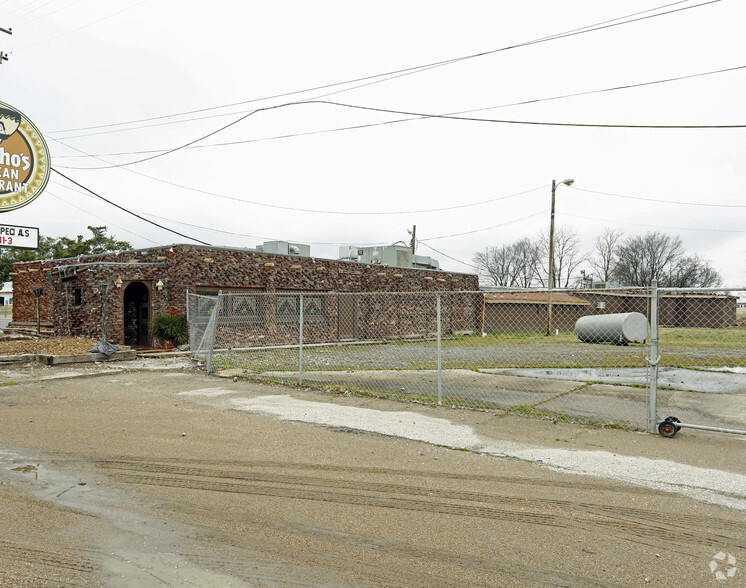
<point x="440" y="379"/>
<point x="707" y="428"/>
<point x="653" y="359"/>
<point x="551" y="264"/>
<point x="212" y="328"/>
<point x="37" y="293"/>
<point x="300" y="344"/>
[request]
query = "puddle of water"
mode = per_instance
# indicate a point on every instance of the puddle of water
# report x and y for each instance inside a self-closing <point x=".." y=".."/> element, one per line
<point x="27" y="469"/>
<point x="138" y="552"/>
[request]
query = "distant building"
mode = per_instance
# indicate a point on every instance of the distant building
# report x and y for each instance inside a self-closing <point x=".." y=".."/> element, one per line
<point x="6" y="294"/>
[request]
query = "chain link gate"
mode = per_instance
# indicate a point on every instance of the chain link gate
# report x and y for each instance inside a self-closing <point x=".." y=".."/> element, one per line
<point x="698" y="361"/>
<point x="472" y="349"/>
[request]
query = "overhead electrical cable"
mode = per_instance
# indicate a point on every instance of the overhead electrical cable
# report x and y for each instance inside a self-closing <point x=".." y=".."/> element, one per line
<point x="704" y="204"/>
<point x="579" y="31"/>
<point x="517" y="220"/>
<point x="422" y="115"/>
<point x="355" y="127"/>
<point x="698" y="229"/>
<point x="108" y="223"/>
<point x="522" y="122"/>
<point x="448" y="256"/>
<point x="214" y="230"/>
<point x="118" y="12"/>
<point x="417" y="69"/>
<point x="317" y="211"/>
<point x="127" y="211"/>
<point x="24" y="20"/>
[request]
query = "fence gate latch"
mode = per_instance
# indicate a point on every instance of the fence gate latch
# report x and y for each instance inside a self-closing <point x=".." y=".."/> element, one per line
<point x="651" y="362"/>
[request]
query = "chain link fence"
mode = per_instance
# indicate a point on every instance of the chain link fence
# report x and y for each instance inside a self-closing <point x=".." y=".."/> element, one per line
<point x="491" y="350"/>
<point x="701" y="359"/>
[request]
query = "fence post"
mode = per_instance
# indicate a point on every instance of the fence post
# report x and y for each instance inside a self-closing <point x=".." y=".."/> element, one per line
<point x="212" y="328"/>
<point x="300" y="344"/>
<point x="653" y="359"/>
<point x="440" y="379"/>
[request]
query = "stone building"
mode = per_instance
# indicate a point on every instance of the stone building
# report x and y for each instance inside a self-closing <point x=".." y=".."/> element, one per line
<point x="136" y="285"/>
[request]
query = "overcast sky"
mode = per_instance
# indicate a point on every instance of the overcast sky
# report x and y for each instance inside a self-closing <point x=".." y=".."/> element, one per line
<point x="176" y="72"/>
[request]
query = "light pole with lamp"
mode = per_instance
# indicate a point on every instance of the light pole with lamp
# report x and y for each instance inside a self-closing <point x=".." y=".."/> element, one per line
<point x="567" y="182"/>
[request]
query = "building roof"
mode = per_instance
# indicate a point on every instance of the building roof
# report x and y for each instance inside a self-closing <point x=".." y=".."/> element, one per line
<point x="533" y="298"/>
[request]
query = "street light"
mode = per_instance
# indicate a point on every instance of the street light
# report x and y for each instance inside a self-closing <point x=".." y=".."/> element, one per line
<point x="567" y="182"/>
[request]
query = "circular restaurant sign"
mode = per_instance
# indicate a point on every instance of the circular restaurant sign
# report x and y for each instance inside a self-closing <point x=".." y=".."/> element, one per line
<point x="24" y="160"/>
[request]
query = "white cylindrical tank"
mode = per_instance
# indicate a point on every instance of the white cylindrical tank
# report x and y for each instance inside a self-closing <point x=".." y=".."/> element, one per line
<point x="620" y="328"/>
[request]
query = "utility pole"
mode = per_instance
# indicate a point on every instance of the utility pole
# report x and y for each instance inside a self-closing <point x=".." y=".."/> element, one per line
<point x="413" y="242"/>
<point x="4" y="56"/>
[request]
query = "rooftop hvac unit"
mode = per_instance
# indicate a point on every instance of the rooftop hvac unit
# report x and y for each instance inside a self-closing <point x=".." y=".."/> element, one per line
<point x="285" y="248"/>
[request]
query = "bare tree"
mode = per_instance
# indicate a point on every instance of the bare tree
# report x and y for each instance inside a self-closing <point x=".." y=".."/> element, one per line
<point x="567" y="257"/>
<point x="491" y="265"/>
<point x="693" y="272"/>
<point x="510" y="266"/>
<point x="526" y="259"/>
<point x="657" y="256"/>
<point x="605" y="257"/>
<point x="647" y="257"/>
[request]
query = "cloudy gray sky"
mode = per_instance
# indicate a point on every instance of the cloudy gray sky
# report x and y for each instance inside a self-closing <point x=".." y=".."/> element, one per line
<point x="237" y="122"/>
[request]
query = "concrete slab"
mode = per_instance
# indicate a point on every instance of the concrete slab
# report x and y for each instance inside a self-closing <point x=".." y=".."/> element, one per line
<point x="715" y="382"/>
<point x="489" y="389"/>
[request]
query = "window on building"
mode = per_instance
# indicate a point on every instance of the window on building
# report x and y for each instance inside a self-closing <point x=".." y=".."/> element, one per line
<point x="77" y="296"/>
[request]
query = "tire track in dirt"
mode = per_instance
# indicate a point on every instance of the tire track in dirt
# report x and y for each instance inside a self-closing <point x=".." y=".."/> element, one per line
<point x="634" y="524"/>
<point x="48" y="558"/>
<point x="399" y="576"/>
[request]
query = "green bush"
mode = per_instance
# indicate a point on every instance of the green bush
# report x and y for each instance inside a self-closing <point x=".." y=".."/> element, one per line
<point x="171" y="328"/>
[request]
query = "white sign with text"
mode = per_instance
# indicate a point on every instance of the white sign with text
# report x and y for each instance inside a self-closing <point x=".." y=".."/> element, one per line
<point x="19" y="237"/>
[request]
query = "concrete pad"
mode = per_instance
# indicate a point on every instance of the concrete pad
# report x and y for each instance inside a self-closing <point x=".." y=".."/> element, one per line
<point x="476" y="388"/>
<point x="678" y="378"/>
<point x="703" y="409"/>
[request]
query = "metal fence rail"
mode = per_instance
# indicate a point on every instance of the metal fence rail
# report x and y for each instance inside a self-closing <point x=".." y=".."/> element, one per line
<point x="490" y="350"/>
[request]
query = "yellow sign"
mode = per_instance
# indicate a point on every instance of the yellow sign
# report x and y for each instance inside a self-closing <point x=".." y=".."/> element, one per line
<point x="24" y="160"/>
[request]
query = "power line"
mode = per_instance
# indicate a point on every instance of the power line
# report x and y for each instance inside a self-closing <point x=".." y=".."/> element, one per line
<point x="655" y="226"/>
<point x="449" y="257"/>
<point x="523" y="122"/>
<point x="417" y="69"/>
<point x="125" y="210"/>
<point x="420" y="115"/>
<point x="213" y="230"/>
<point x="705" y="204"/>
<point x="317" y="211"/>
<point x="355" y="127"/>
<point x="579" y="31"/>
<point x="84" y="26"/>
<point x="46" y="14"/>
<point x="517" y="220"/>
<point x="108" y="223"/>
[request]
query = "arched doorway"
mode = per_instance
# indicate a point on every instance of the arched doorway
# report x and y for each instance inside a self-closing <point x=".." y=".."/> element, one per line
<point x="137" y="315"/>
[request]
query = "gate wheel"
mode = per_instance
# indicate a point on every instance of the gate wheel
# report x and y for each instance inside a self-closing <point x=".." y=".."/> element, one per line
<point x="668" y="427"/>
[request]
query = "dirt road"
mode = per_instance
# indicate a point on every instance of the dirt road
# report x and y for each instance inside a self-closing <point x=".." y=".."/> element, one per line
<point x="121" y="479"/>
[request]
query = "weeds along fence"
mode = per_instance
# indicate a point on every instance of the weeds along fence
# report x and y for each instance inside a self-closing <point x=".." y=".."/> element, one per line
<point x="493" y="350"/>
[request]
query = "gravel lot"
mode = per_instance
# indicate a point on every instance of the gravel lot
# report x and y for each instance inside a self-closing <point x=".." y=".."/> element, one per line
<point x="122" y="480"/>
